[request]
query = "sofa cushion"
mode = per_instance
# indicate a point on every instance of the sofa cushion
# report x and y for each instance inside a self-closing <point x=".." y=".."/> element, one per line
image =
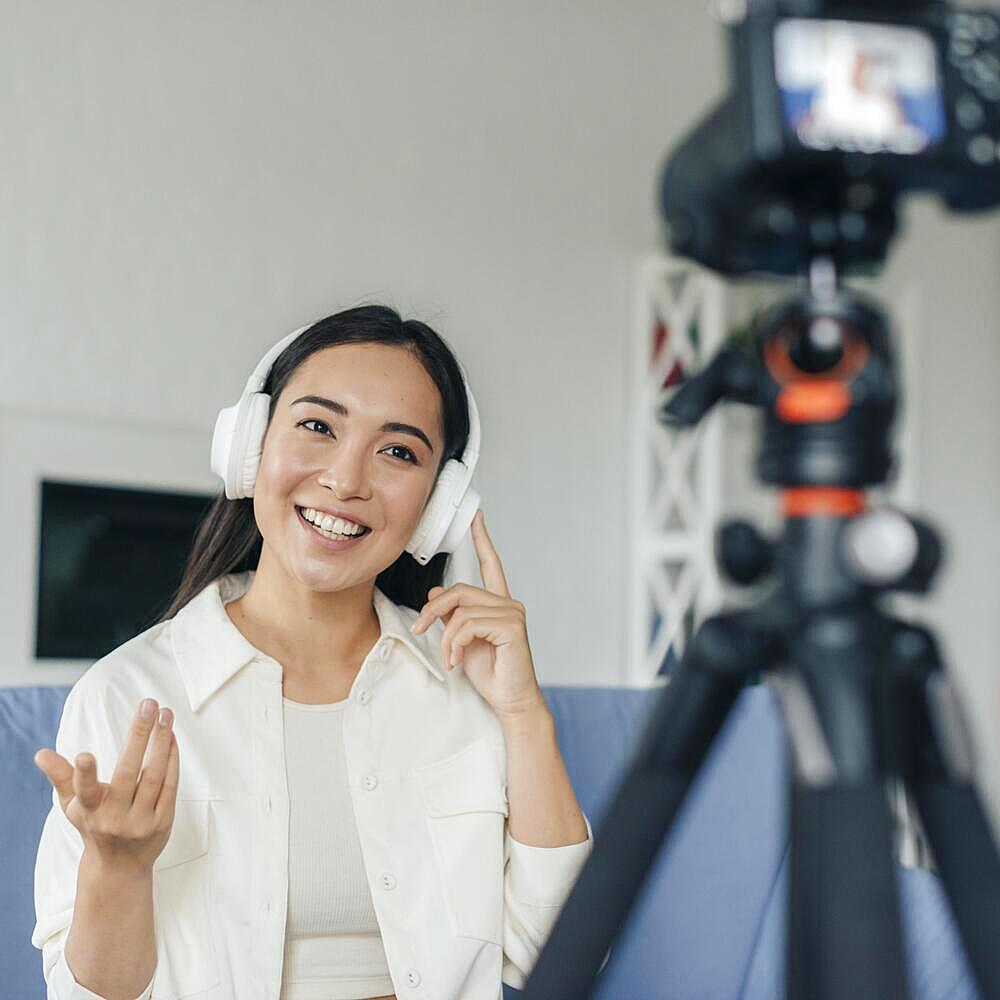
<point x="695" y="924"/>
<point x="29" y="720"/>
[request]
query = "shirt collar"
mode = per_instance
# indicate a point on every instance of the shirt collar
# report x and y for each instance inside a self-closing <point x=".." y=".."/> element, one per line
<point x="209" y="648"/>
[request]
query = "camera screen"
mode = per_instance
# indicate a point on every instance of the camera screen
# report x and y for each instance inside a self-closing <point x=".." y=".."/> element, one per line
<point x="857" y="86"/>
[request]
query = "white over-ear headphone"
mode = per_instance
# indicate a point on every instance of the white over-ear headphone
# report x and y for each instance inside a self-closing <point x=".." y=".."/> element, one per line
<point x="239" y="438"/>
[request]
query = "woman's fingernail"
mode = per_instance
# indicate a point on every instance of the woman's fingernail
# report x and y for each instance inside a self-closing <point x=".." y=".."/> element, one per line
<point x="414" y="626"/>
<point x="147" y="708"/>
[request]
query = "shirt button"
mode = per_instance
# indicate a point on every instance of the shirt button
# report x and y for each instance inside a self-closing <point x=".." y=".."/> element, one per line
<point x="267" y="804"/>
<point x="371" y="782"/>
<point x="365" y="696"/>
<point x="384" y="651"/>
<point x="388" y="881"/>
<point x="412" y="977"/>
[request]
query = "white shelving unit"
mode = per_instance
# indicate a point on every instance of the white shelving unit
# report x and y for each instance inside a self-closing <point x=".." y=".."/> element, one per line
<point x="676" y="475"/>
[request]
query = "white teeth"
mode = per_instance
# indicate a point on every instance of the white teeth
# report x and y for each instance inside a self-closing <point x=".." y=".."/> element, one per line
<point x="332" y="525"/>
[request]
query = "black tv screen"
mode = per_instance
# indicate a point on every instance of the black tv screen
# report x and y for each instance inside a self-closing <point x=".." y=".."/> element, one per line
<point x="109" y="562"/>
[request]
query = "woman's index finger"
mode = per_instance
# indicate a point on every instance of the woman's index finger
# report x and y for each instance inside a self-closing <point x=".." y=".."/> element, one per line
<point x="490" y="566"/>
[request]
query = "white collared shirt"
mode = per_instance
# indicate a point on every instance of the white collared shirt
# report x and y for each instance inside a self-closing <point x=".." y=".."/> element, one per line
<point x="460" y="903"/>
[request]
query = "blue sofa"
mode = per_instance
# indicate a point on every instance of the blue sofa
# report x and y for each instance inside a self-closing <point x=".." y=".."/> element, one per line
<point x="710" y="922"/>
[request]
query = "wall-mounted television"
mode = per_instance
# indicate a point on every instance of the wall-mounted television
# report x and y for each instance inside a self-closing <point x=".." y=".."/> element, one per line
<point x="109" y="562"/>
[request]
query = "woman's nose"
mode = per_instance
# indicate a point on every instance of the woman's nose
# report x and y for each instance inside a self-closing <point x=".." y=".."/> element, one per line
<point x="347" y="473"/>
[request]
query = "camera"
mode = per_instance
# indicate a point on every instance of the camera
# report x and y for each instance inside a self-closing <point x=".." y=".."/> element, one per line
<point x="835" y="110"/>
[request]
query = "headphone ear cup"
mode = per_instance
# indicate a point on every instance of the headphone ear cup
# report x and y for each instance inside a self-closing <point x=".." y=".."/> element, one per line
<point x="237" y="444"/>
<point x="446" y="516"/>
<point x="250" y="431"/>
<point x="461" y="522"/>
<point x="222" y="444"/>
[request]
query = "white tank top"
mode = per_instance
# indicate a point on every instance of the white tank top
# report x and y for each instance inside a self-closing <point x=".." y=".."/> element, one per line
<point x="333" y="948"/>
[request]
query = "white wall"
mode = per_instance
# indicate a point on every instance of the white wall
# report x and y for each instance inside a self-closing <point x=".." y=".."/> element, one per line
<point x="183" y="184"/>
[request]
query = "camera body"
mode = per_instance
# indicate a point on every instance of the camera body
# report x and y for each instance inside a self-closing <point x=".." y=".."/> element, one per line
<point x="835" y="109"/>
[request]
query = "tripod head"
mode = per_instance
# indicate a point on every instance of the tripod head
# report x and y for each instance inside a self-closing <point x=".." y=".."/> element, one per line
<point x="821" y="367"/>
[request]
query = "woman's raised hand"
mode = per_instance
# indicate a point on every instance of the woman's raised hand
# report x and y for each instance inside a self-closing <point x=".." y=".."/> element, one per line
<point x="124" y="824"/>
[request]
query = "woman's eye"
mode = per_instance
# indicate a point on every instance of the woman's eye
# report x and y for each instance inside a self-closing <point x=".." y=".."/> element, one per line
<point x="399" y="447"/>
<point x="319" y="423"/>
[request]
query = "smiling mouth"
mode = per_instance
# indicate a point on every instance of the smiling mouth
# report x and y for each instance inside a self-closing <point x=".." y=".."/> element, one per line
<point x="333" y="535"/>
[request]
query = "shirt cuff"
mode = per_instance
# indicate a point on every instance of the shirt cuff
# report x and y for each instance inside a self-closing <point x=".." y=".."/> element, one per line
<point x="542" y="876"/>
<point x="62" y="985"/>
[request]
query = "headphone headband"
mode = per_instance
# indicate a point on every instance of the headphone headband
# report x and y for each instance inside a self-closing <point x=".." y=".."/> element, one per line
<point x="259" y="375"/>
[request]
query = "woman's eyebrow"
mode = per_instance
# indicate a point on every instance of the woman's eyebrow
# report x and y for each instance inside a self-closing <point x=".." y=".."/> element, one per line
<point x="392" y="425"/>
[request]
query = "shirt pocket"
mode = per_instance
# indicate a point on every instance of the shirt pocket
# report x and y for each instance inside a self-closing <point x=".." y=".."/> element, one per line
<point x="465" y="803"/>
<point x="182" y="898"/>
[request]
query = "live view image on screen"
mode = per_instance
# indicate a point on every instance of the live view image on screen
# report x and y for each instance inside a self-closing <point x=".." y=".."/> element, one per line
<point x="857" y="87"/>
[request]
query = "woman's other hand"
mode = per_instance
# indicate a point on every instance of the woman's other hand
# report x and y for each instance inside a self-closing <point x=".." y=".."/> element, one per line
<point x="124" y="824"/>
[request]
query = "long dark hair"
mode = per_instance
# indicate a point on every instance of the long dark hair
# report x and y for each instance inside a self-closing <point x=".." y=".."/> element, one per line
<point x="227" y="539"/>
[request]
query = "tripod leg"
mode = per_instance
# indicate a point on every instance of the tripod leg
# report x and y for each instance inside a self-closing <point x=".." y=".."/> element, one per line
<point x="845" y="938"/>
<point x="682" y="725"/>
<point x="936" y="762"/>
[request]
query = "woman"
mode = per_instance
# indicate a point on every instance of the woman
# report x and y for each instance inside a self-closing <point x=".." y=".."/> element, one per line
<point x="357" y="791"/>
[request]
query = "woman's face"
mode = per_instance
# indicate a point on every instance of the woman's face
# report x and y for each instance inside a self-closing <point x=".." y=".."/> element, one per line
<point x="316" y="457"/>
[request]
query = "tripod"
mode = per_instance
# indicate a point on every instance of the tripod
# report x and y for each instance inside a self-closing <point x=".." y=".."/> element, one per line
<point x="864" y="694"/>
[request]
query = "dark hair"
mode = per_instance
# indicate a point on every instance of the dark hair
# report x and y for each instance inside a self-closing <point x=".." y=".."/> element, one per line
<point x="227" y="539"/>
